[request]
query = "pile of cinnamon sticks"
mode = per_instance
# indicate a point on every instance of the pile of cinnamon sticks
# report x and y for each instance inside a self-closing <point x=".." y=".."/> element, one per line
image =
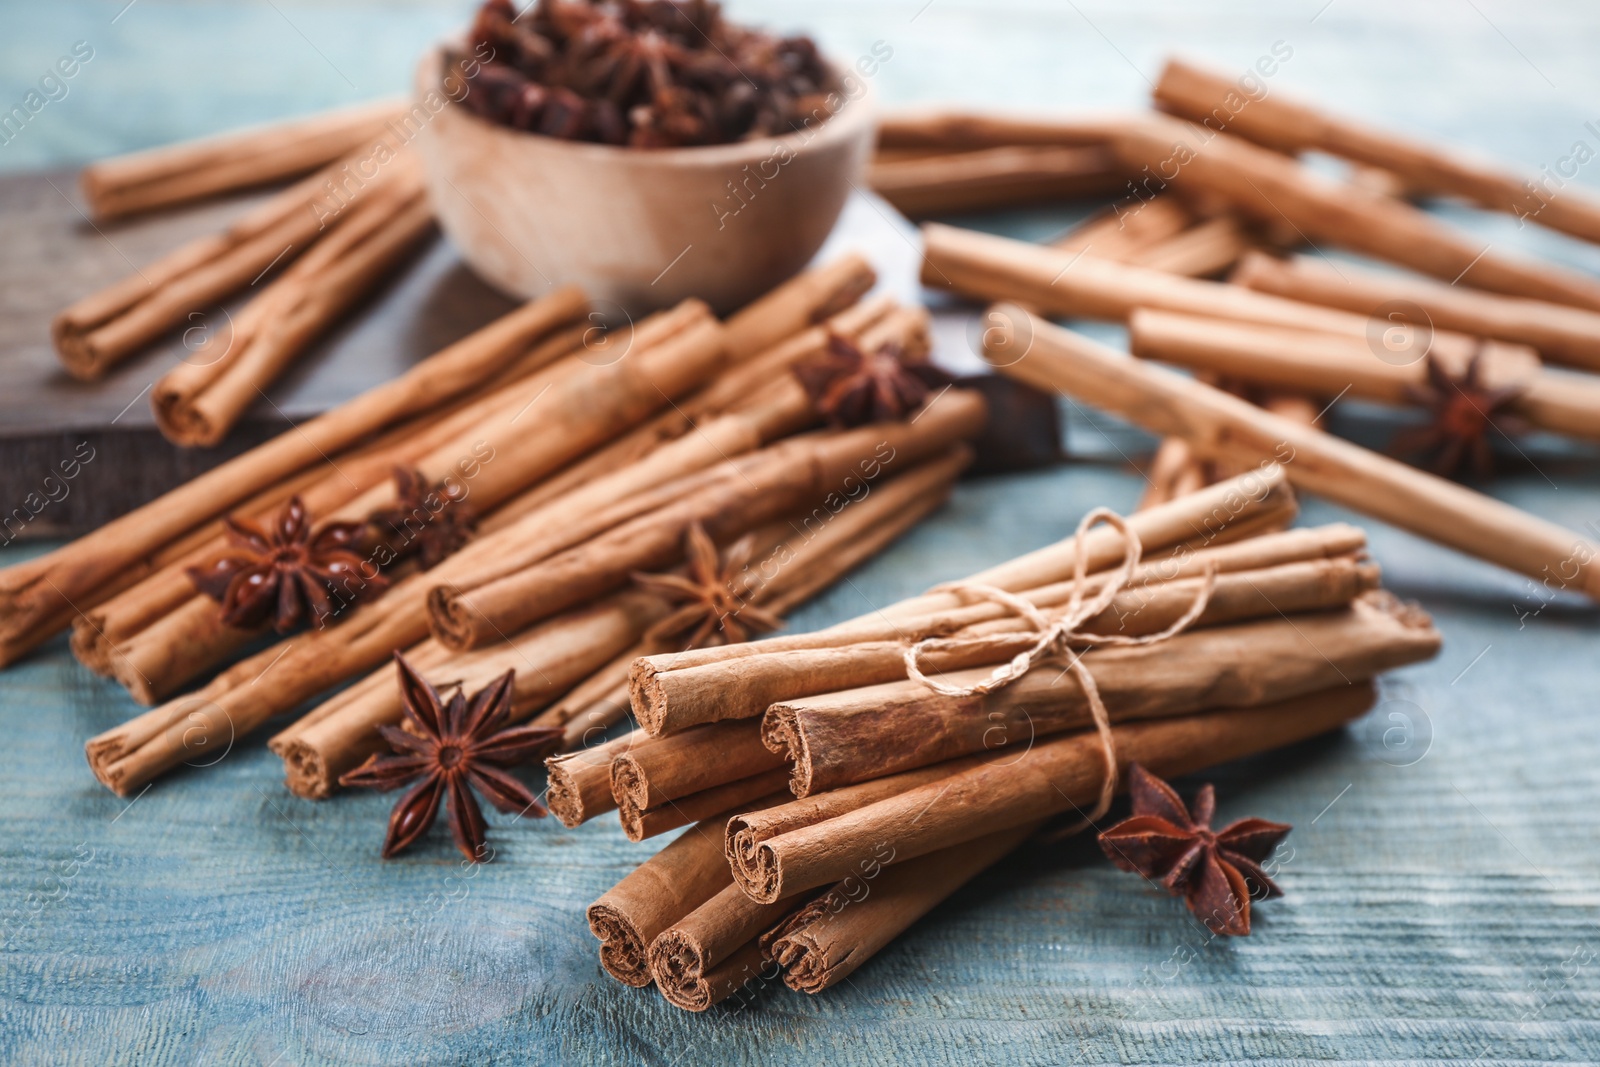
<point x="1487" y="346"/>
<point x="587" y="458"/>
<point x="332" y="237"/>
<point x="1205" y="631"/>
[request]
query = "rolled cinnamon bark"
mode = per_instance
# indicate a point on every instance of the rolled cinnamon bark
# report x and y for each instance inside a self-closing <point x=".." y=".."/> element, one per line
<point x="1120" y="232"/>
<point x="1081" y="285"/>
<point x="638" y="824"/>
<point x="1228" y="428"/>
<point x="1330" y="365"/>
<point x="657" y="894"/>
<point x="200" y="401"/>
<point x="989" y="178"/>
<point x="580" y="782"/>
<point x="677" y="766"/>
<point x="802" y="301"/>
<point x="1208" y="248"/>
<point x="180" y="173"/>
<point x="706" y="956"/>
<point x="1202" y="520"/>
<point x="38" y="598"/>
<point x="1292" y="126"/>
<point x="746" y="687"/>
<point x="1170" y="468"/>
<point x="825" y="941"/>
<point x="1561" y="334"/>
<point x="1004" y="791"/>
<point x="945" y="130"/>
<point x="843" y="737"/>
<point x="1262" y="184"/>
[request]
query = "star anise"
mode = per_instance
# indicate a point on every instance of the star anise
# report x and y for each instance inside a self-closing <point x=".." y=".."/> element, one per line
<point x="1217" y="871"/>
<point x="452" y="746"/>
<point x="427" y="522"/>
<point x="713" y="609"/>
<point x="1464" y="409"/>
<point x="287" y="573"/>
<point x="850" y="387"/>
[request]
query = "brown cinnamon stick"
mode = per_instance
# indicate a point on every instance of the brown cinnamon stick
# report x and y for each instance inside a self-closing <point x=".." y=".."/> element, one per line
<point x="1561" y="334"/>
<point x="1329" y="365"/>
<point x="1262" y="184"/>
<point x="672" y="767"/>
<point x="580" y="782"/>
<point x="1290" y="125"/>
<point x="1004" y="791"/>
<point x="843" y="737"/>
<point x="638" y="824"/>
<point x="180" y="173"/>
<point x="710" y="953"/>
<point x="1228" y="428"/>
<point x="827" y="940"/>
<point x="988" y="178"/>
<point x="946" y="130"/>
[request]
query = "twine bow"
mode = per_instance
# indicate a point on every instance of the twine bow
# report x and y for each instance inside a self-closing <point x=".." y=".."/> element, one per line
<point x="1063" y="634"/>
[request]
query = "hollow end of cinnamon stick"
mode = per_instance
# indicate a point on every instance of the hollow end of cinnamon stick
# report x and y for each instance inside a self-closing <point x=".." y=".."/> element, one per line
<point x="622" y="953"/>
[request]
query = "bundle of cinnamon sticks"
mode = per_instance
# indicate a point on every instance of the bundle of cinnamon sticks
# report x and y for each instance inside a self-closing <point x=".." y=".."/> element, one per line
<point x="1201" y="630"/>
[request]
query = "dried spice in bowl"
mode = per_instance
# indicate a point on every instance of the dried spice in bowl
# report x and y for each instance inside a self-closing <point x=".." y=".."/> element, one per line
<point x="644" y="73"/>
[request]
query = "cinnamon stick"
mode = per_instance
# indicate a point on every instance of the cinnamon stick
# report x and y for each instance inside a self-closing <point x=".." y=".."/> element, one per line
<point x="1264" y="185"/>
<point x="671" y="767"/>
<point x="989" y="178"/>
<point x="1004" y="791"/>
<point x="947" y="130"/>
<point x="710" y="953"/>
<point x="1228" y="428"/>
<point x="1290" y="125"/>
<point x="38" y="598"/>
<point x="640" y="823"/>
<point x="842" y="737"/>
<point x="1121" y="231"/>
<point x="1329" y="365"/>
<point x="657" y="894"/>
<point x="580" y="782"/>
<point x="827" y="940"/>
<point x="181" y="173"/>
<point x="1561" y="334"/>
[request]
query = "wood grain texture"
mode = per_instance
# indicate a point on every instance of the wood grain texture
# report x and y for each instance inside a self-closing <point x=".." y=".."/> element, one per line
<point x="1443" y="911"/>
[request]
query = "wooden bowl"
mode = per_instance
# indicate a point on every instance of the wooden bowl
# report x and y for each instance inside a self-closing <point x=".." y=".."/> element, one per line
<point x="642" y="227"/>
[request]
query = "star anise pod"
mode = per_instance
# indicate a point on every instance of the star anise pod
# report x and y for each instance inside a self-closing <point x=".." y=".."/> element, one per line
<point x="287" y="573"/>
<point x="1217" y="871"/>
<point x="1464" y="409"/>
<point x="426" y="521"/>
<point x="850" y="387"/>
<point x="449" y="747"/>
<point x="713" y="610"/>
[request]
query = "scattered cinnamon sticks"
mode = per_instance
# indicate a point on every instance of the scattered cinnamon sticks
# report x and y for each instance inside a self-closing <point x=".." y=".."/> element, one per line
<point x="1228" y="428"/>
<point x="1289" y="125"/>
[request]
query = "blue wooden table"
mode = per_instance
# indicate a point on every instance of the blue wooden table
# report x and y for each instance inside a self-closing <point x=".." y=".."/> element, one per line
<point x="1442" y="889"/>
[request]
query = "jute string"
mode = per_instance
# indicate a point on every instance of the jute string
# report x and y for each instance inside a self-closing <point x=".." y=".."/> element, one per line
<point x="1060" y="634"/>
